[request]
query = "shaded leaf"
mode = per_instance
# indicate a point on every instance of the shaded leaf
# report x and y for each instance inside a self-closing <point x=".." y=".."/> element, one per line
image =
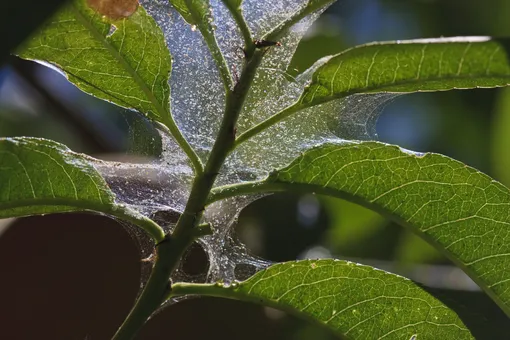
<point x="356" y="301"/>
<point x="411" y="66"/>
<point x="460" y="210"/>
<point x="129" y="67"/>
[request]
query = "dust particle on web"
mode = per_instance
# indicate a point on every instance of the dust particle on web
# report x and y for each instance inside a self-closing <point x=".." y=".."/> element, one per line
<point x="114" y="9"/>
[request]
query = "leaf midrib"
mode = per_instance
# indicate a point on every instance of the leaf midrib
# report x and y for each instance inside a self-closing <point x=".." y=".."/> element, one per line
<point x="276" y="185"/>
<point x="104" y="41"/>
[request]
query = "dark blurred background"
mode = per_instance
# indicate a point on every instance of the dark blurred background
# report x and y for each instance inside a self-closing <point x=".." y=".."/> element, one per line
<point x="75" y="276"/>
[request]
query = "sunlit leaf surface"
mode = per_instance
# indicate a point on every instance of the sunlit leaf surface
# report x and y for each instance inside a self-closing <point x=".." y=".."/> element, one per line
<point x="460" y="210"/>
<point x="117" y="54"/>
<point x="358" y="302"/>
<point x="41" y="176"/>
<point x="411" y="66"/>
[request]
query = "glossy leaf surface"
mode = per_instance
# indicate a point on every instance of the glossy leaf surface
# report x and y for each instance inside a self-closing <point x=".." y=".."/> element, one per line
<point x="355" y="301"/>
<point x="460" y="210"/>
<point x="44" y="177"/>
<point x="411" y="66"/>
<point x="117" y="54"/>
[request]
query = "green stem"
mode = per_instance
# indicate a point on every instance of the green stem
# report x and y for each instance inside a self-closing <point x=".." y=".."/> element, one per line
<point x="187" y="229"/>
<point x="227" y="191"/>
<point x="170" y="126"/>
<point x="170" y="251"/>
<point x="241" y="23"/>
<point x="223" y="145"/>
<point x="217" y="290"/>
<point x="146" y="224"/>
<point x="183" y="143"/>
<point x="220" y="61"/>
<point x="162" y="114"/>
<point x="267" y="123"/>
<point x="205" y="27"/>
<point x="157" y="287"/>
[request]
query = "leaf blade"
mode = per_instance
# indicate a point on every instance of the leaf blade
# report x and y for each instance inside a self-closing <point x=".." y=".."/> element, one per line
<point x="459" y="210"/>
<point x="355" y="301"/>
<point x="129" y="67"/>
<point x="411" y="66"/>
<point x="40" y="176"/>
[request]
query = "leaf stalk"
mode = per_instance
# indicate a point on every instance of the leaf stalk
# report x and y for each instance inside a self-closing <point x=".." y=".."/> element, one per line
<point x="170" y="251"/>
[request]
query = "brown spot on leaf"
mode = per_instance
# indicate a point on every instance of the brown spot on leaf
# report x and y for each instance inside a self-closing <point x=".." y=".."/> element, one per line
<point x="114" y="9"/>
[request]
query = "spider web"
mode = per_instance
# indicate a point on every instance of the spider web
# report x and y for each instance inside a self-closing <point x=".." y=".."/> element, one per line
<point x="159" y="189"/>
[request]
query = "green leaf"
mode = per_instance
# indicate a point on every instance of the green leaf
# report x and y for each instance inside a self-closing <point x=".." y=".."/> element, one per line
<point x="411" y="66"/>
<point x="130" y="67"/>
<point x="464" y="213"/>
<point x="355" y="301"/>
<point x="460" y="210"/>
<point x="42" y="177"/>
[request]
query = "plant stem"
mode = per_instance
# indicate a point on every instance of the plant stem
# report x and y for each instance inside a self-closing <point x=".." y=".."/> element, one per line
<point x="241" y="23"/>
<point x="157" y="287"/>
<point x="223" y="145"/>
<point x="227" y="191"/>
<point x="205" y="27"/>
<point x="267" y="123"/>
<point x="170" y="125"/>
<point x="185" y="146"/>
<point x="146" y="224"/>
<point x="220" y="61"/>
<point x="170" y="251"/>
